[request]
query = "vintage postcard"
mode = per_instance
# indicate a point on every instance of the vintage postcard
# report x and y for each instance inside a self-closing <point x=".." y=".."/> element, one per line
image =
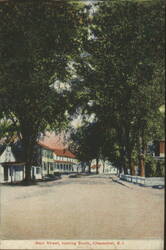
<point x="82" y="148"/>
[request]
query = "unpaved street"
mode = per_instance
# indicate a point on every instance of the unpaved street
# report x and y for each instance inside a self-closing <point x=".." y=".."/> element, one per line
<point x="81" y="208"/>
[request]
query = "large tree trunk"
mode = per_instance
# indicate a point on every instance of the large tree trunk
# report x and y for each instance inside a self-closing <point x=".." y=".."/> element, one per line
<point x="119" y="170"/>
<point x="131" y="164"/>
<point x="28" y="145"/>
<point x="123" y="161"/>
<point x="132" y="168"/>
<point x="48" y="168"/>
<point x="103" y="166"/>
<point x="83" y="167"/>
<point x="89" y="167"/>
<point x="28" y="172"/>
<point x="125" y="169"/>
<point x="97" y="165"/>
<point x="142" y="165"/>
<point x="141" y="157"/>
<point x="122" y="150"/>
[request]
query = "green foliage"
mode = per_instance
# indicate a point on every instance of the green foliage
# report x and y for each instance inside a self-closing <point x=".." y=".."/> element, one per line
<point x="154" y="168"/>
<point x="160" y="168"/>
<point x="117" y="56"/>
<point x="122" y="76"/>
<point x="79" y="145"/>
<point x="38" y="39"/>
<point x="150" y="166"/>
<point x="87" y="142"/>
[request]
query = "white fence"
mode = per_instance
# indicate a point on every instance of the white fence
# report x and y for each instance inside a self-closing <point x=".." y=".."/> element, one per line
<point x="155" y="181"/>
<point x="146" y="181"/>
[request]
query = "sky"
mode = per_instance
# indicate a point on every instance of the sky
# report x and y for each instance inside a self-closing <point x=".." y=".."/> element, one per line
<point x="53" y="140"/>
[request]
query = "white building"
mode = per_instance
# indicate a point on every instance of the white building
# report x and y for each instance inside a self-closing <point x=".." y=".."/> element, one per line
<point x="10" y="169"/>
<point x="57" y="160"/>
<point x="104" y="167"/>
<point x="65" y="161"/>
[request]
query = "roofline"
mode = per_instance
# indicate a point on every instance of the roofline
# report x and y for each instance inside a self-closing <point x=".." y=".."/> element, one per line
<point x="45" y="146"/>
<point x="72" y="157"/>
<point x="53" y="149"/>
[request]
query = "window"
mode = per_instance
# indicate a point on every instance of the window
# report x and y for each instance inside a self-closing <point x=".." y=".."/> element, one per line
<point x="44" y="164"/>
<point x="50" y="154"/>
<point x="51" y="167"/>
<point x="37" y="170"/>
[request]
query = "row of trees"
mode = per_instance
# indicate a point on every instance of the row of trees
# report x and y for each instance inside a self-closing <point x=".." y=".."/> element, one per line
<point x="109" y="64"/>
<point x="38" y="39"/>
<point x="122" y="81"/>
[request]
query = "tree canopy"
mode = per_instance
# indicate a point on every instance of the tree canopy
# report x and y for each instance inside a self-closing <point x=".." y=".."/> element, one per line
<point x="110" y="64"/>
<point x="38" y="39"/>
<point x="122" y="76"/>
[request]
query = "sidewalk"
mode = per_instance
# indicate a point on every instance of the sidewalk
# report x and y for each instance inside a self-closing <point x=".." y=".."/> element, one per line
<point x="148" y="183"/>
<point x="119" y="181"/>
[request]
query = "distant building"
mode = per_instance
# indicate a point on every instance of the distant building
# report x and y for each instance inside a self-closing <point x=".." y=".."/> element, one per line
<point x="160" y="148"/>
<point x="156" y="149"/>
<point x="56" y="160"/>
<point x="94" y="166"/>
<point x="65" y="161"/>
<point x="103" y="167"/>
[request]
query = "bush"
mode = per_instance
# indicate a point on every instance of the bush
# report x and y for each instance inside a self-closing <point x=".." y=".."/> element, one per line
<point x="160" y="169"/>
<point x="154" y="167"/>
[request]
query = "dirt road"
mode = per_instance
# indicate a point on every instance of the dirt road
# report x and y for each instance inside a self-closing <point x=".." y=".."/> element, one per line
<point x="81" y="208"/>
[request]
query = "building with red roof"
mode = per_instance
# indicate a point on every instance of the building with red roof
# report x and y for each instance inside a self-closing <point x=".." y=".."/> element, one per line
<point x="64" y="160"/>
<point x="54" y="159"/>
<point x="49" y="158"/>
